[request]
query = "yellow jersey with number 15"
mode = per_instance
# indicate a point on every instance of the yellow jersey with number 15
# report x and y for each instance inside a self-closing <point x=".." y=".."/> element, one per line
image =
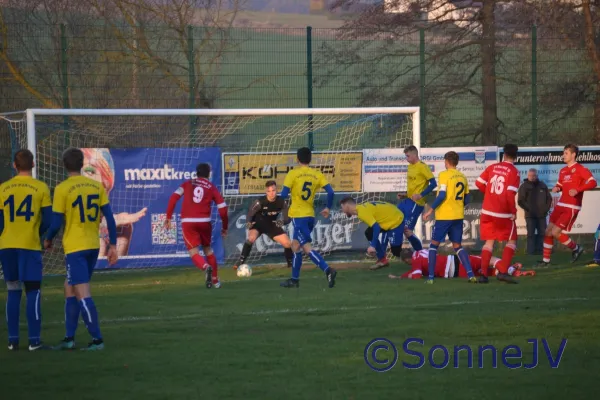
<point x="21" y="201"/>
<point x="418" y="176"/>
<point x="387" y="215"/>
<point x="304" y="182"/>
<point x="456" y="186"/>
<point x="80" y="199"/>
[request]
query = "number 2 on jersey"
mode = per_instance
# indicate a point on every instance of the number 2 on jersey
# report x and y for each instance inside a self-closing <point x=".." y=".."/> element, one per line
<point x="461" y="188"/>
<point x="24" y="209"/>
<point x="497" y="184"/>
<point x="306" y="189"/>
<point x="91" y="205"/>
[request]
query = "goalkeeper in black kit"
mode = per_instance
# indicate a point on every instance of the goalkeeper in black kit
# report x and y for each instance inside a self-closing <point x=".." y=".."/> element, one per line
<point x="263" y="218"/>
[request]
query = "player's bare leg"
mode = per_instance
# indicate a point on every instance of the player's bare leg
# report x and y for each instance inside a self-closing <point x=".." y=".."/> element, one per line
<point x="212" y="271"/>
<point x="286" y="243"/>
<point x="253" y="235"/>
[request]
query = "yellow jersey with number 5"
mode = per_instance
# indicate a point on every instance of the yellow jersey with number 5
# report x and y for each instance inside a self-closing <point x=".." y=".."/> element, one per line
<point x="304" y="182"/>
<point x="456" y="186"/>
<point x="80" y="199"/>
<point x="418" y="176"/>
<point x="21" y="201"/>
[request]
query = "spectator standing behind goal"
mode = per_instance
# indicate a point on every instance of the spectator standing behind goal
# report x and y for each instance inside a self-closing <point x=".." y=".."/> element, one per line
<point x="535" y="200"/>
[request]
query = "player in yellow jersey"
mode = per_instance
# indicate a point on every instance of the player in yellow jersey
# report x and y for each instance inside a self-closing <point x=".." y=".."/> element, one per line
<point x="25" y="214"/>
<point x="383" y="218"/>
<point x="449" y="206"/>
<point x="78" y="201"/>
<point x="303" y="183"/>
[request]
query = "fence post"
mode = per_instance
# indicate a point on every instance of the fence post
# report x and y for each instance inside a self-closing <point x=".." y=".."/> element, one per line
<point x="309" y="87"/>
<point x="422" y="104"/>
<point x="64" y="66"/>
<point x="534" y="101"/>
<point x="192" y="79"/>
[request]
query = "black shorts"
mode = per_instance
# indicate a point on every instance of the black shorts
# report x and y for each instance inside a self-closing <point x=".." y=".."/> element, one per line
<point x="268" y="228"/>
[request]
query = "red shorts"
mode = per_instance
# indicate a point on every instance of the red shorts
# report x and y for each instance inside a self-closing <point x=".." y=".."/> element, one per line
<point x="196" y="234"/>
<point x="494" y="228"/>
<point x="563" y="217"/>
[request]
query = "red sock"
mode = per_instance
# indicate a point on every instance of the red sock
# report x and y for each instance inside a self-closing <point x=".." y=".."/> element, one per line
<point x="507" y="255"/>
<point x="548" y="244"/>
<point x="199" y="262"/>
<point x="486" y="257"/>
<point x="564" y="239"/>
<point x="212" y="260"/>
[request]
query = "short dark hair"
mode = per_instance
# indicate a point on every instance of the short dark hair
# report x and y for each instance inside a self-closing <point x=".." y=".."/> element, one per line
<point x="73" y="159"/>
<point x="574" y="148"/>
<point x="304" y="155"/>
<point x="270" y="183"/>
<point x="347" y="200"/>
<point x="23" y="160"/>
<point x="411" y="149"/>
<point x="452" y="158"/>
<point x="511" y="150"/>
<point x="203" y="170"/>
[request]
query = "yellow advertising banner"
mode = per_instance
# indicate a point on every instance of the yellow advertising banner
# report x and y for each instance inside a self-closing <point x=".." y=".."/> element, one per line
<point x="246" y="174"/>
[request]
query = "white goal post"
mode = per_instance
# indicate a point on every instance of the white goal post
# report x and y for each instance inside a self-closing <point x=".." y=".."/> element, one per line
<point x="261" y="134"/>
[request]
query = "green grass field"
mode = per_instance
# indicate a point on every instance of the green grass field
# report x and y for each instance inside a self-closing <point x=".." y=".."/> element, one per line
<point x="168" y="337"/>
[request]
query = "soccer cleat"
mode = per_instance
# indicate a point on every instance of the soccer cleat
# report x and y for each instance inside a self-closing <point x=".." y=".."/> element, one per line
<point x="482" y="279"/>
<point x="506" y="278"/>
<point x="473" y="279"/>
<point x="331" y="274"/>
<point x="94" y="345"/>
<point x="217" y="284"/>
<point x="13" y="346"/>
<point x="542" y="264"/>
<point x="380" y="264"/>
<point x="290" y="283"/>
<point x="576" y="253"/>
<point x="429" y="281"/>
<point x="593" y="264"/>
<point x="68" y="343"/>
<point x="39" y="346"/>
<point x="517" y="266"/>
<point x="208" y="277"/>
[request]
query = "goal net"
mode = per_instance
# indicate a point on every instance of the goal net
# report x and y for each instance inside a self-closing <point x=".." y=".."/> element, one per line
<point x="141" y="156"/>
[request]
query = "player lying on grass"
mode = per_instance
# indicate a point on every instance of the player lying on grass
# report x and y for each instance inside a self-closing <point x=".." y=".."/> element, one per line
<point x="78" y="201"/>
<point x="573" y="180"/>
<point x="450" y="266"/>
<point x="198" y="196"/>
<point x="381" y="217"/>
<point x="263" y="218"/>
<point x="25" y="214"/>
<point x="303" y="183"/>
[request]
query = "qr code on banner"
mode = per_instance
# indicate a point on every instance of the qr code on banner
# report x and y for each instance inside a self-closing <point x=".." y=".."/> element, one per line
<point x="160" y="234"/>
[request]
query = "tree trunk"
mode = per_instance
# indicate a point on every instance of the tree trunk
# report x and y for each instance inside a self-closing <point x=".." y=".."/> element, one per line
<point x="489" y="134"/>
<point x="594" y="57"/>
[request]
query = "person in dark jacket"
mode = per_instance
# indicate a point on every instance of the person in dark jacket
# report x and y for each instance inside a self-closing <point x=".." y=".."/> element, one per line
<point x="535" y="199"/>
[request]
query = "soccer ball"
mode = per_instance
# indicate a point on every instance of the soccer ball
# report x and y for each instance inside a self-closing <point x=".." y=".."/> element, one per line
<point x="244" y="271"/>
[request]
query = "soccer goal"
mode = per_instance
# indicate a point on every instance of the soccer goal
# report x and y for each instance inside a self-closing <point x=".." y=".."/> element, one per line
<point x="141" y="155"/>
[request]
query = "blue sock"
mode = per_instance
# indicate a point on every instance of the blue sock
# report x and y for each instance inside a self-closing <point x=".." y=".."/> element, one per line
<point x="34" y="316"/>
<point x="318" y="260"/>
<point x="90" y="317"/>
<point x="415" y="243"/>
<point x="463" y="256"/>
<point x="432" y="259"/>
<point x="379" y="249"/>
<point x="13" y="309"/>
<point x="597" y="250"/>
<point x="296" y="265"/>
<point x="72" y="309"/>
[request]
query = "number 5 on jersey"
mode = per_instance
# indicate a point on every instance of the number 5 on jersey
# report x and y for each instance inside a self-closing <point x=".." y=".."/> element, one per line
<point x="306" y="190"/>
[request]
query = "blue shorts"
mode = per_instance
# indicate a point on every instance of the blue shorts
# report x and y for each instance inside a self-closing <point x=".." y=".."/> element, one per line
<point x="80" y="266"/>
<point x="21" y="265"/>
<point x="395" y="237"/>
<point x="452" y="228"/>
<point x="412" y="211"/>
<point x="303" y="228"/>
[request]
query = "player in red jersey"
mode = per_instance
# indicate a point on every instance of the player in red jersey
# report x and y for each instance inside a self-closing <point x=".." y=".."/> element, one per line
<point x="198" y="196"/>
<point x="573" y="180"/>
<point x="450" y="266"/>
<point x="500" y="183"/>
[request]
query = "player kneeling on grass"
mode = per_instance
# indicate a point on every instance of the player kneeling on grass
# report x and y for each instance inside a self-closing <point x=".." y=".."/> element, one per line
<point x="449" y="206"/>
<point x="262" y="218"/>
<point x="381" y="217"/>
<point x="25" y="214"/>
<point x="78" y="201"/>
<point x="198" y="196"/>
<point x="451" y="267"/>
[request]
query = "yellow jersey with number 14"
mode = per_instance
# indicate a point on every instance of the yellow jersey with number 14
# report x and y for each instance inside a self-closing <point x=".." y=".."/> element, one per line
<point x="80" y="199"/>
<point x="456" y="186"/>
<point x="387" y="215"/>
<point x="304" y="182"/>
<point x="418" y="176"/>
<point x="21" y="201"/>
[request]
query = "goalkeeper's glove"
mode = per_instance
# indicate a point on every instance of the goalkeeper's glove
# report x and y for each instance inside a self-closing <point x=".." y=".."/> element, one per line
<point x="279" y="223"/>
<point x="249" y="225"/>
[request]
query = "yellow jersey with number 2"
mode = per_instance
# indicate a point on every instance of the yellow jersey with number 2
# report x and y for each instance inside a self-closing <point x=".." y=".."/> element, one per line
<point x="456" y="186"/>
<point x="304" y="182"/>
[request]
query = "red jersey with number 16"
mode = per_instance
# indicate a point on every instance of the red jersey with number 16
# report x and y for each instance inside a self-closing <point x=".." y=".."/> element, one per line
<point x="575" y="177"/>
<point x="198" y="196"/>
<point x="499" y="183"/>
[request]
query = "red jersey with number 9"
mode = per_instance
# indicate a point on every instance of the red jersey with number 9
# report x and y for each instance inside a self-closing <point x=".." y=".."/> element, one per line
<point x="499" y="184"/>
<point x="198" y="196"/>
